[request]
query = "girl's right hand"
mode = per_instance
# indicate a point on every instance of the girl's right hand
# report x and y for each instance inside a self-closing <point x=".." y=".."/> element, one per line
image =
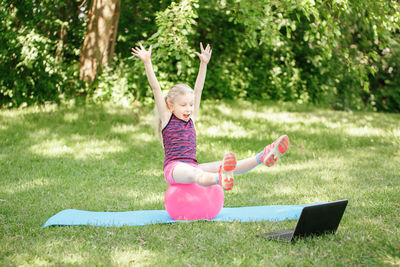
<point x="142" y="53"/>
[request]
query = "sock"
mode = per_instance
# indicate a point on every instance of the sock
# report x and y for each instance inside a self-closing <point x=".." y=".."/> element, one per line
<point x="258" y="156"/>
<point x="216" y="177"/>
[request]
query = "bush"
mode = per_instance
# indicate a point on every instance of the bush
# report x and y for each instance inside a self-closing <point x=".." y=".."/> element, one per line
<point x="29" y="71"/>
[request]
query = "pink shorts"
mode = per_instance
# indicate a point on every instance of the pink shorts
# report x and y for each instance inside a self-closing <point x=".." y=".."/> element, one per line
<point x="169" y="169"/>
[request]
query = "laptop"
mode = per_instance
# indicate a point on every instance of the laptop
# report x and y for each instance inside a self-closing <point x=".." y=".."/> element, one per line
<point x="314" y="220"/>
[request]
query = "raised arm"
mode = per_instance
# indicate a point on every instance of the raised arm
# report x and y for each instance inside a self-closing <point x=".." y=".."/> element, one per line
<point x="204" y="57"/>
<point x="145" y="56"/>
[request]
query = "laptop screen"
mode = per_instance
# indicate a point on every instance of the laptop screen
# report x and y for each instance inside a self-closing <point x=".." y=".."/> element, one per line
<point x="320" y="218"/>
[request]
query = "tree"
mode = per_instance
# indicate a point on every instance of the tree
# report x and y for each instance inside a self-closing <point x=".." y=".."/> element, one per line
<point x="99" y="43"/>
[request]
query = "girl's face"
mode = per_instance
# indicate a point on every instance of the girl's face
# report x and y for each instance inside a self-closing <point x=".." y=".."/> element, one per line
<point x="183" y="106"/>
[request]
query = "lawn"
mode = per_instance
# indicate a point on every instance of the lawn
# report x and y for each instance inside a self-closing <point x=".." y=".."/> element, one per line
<point x="104" y="158"/>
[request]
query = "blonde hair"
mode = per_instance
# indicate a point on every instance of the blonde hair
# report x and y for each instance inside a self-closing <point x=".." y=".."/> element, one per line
<point x="177" y="90"/>
<point x="173" y="93"/>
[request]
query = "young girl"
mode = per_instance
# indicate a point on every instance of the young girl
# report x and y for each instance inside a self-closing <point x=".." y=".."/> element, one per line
<point x="178" y="112"/>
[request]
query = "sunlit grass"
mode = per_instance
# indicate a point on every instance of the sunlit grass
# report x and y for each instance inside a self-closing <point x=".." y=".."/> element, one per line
<point x="102" y="158"/>
<point x="79" y="149"/>
<point x="133" y="256"/>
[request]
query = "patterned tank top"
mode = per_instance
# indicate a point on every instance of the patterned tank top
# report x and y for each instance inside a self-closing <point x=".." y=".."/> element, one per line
<point x="179" y="138"/>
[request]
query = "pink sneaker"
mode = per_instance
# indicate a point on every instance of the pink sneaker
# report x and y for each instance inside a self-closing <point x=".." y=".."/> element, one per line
<point x="275" y="150"/>
<point x="226" y="171"/>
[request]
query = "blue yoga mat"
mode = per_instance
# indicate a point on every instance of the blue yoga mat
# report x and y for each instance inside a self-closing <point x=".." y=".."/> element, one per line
<point x="145" y="217"/>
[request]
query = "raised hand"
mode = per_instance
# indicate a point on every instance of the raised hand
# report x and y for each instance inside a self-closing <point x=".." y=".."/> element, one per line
<point x="142" y="53"/>
<point x="205" y="55"/>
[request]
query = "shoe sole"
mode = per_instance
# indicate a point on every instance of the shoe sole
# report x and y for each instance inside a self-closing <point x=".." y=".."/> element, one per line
<point x="281" y="147"/>
<point x="228" y="165"/>
<point x="229" y="162"/>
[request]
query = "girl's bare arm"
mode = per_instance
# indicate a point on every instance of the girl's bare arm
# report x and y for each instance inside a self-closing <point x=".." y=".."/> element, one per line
<point x="145" y="56"/>
<point x="204" y="57"/>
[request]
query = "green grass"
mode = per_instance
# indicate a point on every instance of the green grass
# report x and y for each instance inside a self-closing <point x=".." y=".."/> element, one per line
<point x="103" y="158"/>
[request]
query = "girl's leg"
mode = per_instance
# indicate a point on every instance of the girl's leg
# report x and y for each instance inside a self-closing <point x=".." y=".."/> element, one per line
<point x="242" y="166"/>
<point x="268" y="156"/>
<point x="185" y="173"/>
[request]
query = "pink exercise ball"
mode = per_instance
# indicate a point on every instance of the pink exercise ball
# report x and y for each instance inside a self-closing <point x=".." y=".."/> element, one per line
<point x="193" y="202"/>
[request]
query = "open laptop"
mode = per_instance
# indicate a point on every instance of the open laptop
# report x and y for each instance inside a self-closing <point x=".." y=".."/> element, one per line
<point x="314" y="220"/>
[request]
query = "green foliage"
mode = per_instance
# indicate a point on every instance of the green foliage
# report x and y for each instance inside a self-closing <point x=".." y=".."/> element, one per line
<point x="137" y="22"/>
<point x="324" y="52"/>
<point x="25" y="62"/>
<point x="173" y="55"/>
<point x="121" y="87"/>
<point x="34" y="77"/>
<point x="29" y="70"/>
<point x="385" y="85"/>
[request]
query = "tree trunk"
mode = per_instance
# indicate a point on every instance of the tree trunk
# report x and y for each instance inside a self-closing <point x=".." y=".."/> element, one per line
<point x="60" y="45"/>
<point x="99" y="43"/>
<point x="112" y="35"/>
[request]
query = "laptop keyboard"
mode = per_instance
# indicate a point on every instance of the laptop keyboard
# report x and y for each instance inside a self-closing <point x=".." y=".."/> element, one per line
<point x="284" y="234"/>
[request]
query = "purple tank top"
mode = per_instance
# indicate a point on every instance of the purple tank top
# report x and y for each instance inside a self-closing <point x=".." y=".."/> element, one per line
<point x="179" y="138"/>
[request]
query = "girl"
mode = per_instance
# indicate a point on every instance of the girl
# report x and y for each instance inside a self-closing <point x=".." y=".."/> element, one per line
<point x="178" y="112"/>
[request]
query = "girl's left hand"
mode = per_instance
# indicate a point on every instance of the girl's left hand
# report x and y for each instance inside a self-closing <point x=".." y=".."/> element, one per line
<point x="205" y="53"/>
